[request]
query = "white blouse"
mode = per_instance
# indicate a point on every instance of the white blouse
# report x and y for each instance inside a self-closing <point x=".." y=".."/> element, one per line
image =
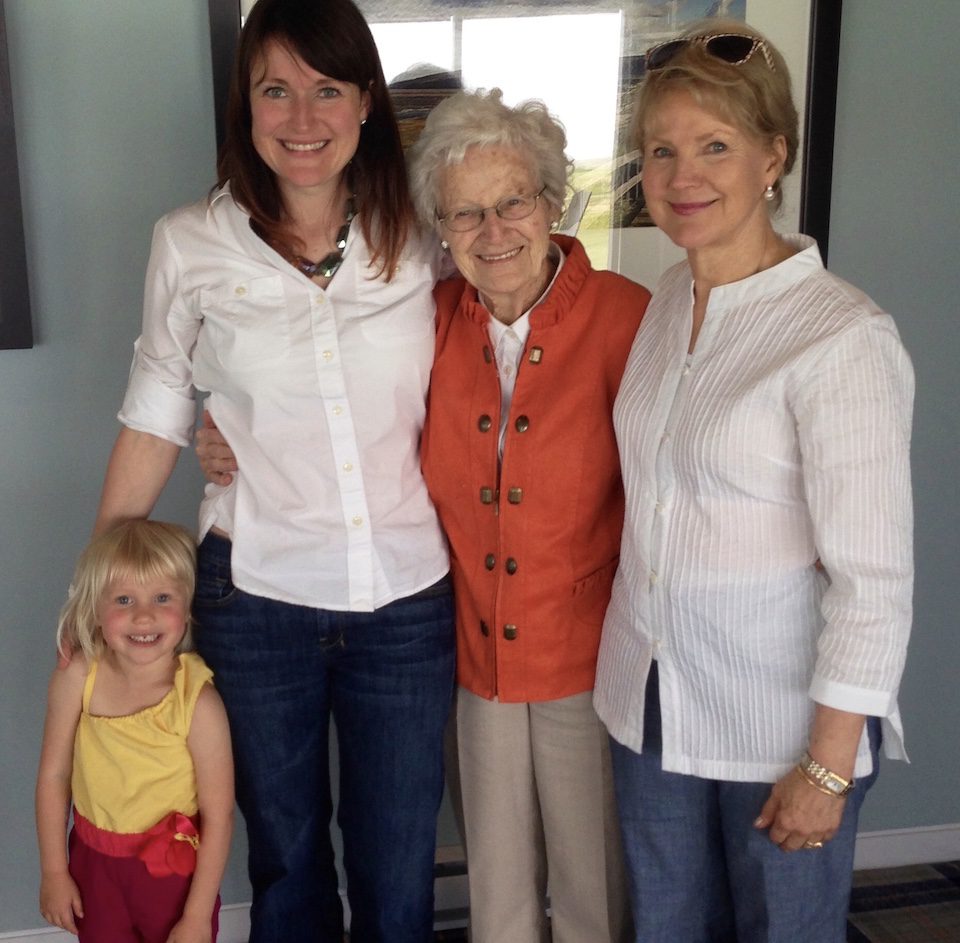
<point x="320" y="394"/>
<point x="782" y="439"/>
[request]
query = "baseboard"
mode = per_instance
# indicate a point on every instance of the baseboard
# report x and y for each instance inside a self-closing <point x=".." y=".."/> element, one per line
<point x="888" y="849"/>
<point x="902" y="846"/>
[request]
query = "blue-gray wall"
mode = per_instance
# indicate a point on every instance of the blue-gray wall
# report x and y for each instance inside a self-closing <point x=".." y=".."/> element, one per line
<point x="114" y="121"/>
<point x="895" y="233"/>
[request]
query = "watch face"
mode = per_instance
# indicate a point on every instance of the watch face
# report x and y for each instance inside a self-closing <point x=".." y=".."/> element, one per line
<point x="834" y="786"/>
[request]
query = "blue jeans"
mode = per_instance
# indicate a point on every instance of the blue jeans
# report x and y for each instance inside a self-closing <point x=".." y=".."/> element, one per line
<point x="701" y="873"/>
<point x="386" y="677"/>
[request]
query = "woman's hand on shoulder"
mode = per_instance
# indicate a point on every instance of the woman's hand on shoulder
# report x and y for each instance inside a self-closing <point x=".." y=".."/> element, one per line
<point x="217" y="461"/>
<point x="65" y="693"/>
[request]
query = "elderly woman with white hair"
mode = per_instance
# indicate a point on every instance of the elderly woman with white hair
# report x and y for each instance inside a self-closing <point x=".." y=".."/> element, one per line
<point x="520" y="458"/>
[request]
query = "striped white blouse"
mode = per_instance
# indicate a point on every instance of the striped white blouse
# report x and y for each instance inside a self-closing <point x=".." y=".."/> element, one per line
<point x="783" y="438"/>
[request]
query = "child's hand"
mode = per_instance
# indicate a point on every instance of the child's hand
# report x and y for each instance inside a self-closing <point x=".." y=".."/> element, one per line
<point x="190" y="929"/>
<point x="60" y="902"/>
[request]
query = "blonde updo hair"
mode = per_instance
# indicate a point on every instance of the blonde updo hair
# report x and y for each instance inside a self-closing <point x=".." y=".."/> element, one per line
<point x="753" y="97"/>
<point x="137" y="550"/>
<point x="481" y="119"/>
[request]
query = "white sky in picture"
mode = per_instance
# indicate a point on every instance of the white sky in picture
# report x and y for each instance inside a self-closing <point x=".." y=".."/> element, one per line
<point x="569" y="62"/>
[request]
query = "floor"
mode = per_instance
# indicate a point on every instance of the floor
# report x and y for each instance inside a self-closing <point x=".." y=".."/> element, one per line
<point x="917" y="904"/>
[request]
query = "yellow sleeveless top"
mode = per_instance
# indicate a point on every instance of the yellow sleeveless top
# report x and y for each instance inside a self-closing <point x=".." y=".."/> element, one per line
<point x="129" y="772"/>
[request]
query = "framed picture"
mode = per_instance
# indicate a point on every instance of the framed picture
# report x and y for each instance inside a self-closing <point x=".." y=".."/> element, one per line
<point x="585" y="66"/>
<point x="16" y="331"/>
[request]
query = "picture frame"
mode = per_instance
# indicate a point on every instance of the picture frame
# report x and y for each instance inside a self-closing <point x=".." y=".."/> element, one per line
<point x="806" y="31"/>
<point x="16" y="329"/>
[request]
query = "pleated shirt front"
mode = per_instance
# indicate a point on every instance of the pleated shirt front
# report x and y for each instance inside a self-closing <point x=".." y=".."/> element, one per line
<point x="783" y="439"/>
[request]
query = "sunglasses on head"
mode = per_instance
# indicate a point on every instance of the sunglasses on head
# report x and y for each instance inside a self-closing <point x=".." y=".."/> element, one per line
<point x="732" y="48"/>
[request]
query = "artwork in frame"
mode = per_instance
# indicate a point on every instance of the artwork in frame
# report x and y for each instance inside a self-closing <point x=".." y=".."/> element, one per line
<point x="584" y="61"/>
<point x="16" y="331"/>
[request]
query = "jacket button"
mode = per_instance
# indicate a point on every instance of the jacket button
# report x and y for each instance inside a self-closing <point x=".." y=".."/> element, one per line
<point x="484" y="423"/>
<point x="486" y="495"/>
<point x="510" y="566"/>
<point x="484" y="629"/>
<point x="515" y="495"/>
<point x="509" y="632"/>
<point x="522" y="423"/>
<point x="490" y="561"/>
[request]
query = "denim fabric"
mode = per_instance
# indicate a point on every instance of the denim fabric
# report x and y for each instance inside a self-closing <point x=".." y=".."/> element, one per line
<point x="386" y="677"/>
<point x="701" y="873"/>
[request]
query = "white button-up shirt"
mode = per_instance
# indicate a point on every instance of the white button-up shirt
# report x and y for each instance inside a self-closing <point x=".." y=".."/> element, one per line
<point x="783" y="438"/>
<point x="320" y="394"/>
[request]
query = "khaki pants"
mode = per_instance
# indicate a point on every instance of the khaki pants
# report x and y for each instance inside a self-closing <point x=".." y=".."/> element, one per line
<point x="538" y="812"/>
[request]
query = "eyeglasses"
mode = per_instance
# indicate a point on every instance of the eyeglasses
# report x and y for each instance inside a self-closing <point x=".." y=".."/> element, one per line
<point x="510" y="207"/>
<point x="732" y="48"/>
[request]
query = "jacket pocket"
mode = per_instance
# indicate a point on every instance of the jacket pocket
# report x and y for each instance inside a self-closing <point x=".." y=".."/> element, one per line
<point x="591" y="593"/>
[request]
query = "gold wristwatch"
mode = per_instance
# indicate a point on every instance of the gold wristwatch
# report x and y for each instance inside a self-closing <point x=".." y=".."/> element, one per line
<point x="824" y="778"/>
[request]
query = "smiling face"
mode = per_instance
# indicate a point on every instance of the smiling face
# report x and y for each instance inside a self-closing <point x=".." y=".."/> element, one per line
<point x="305" y="125"/>
<point x="506" y="260"/>
<point x="142" y="621"/>
<point x="704" y="179"/>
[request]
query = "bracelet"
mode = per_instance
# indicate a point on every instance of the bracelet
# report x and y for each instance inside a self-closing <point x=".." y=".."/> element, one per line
<point x="824" y="779"/>
<point x="814" y="783"/>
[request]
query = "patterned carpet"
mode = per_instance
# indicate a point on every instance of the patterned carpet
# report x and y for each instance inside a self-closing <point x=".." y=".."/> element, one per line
<point x="918" y="904"/>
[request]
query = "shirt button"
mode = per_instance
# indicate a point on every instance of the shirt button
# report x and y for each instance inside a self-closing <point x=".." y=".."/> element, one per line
<point x="484" y="423"/>
<point x="508" y="371"/>
<point x="511" y="566"/>
<point x="240" y="290"/>
<point x="484" y="629"/>
<point x="522" y="423"/>
<point x="509" y="632"/>
<point x="357" y="520"/>
<point x="653" y="577"/>
<point x="338" y="410"/>
<point x="327" y="355"/>
<point x="489" y="561"/>
<point x="347" y="467"/>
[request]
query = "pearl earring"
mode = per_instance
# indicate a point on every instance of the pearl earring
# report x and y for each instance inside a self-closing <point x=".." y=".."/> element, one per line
<point x="444" y="244"/>
<point x="769" y="193"/>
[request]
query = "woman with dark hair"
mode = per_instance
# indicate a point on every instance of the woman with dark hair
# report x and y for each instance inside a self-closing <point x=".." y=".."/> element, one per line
<point x="759" y="618"/>
<point x="298" y="296"/>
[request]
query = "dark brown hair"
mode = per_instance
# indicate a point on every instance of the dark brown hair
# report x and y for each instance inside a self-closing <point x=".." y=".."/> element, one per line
<point x="332" y="37"/>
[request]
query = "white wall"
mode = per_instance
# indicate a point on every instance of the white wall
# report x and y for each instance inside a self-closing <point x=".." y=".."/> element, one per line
<point x="115" y="125"/>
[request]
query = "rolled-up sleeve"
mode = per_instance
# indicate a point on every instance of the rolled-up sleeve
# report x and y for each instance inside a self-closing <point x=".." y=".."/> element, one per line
<point x="853" y="416"/>
<point x="160" y="397"/>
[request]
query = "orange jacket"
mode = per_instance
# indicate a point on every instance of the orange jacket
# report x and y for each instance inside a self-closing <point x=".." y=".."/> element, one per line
<point x="533" y="549"/>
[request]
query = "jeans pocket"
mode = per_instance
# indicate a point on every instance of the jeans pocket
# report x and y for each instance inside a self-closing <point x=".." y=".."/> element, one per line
<point x="214" y="580"/>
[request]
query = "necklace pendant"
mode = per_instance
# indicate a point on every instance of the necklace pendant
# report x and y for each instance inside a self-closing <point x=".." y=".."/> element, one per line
<point x="331" y="262"/>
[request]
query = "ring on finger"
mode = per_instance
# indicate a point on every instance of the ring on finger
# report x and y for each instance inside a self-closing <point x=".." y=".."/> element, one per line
<point x="813" y="844"/>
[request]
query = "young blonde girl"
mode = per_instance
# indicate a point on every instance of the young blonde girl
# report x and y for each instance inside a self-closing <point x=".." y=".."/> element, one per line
<point x="137" y="736"/>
